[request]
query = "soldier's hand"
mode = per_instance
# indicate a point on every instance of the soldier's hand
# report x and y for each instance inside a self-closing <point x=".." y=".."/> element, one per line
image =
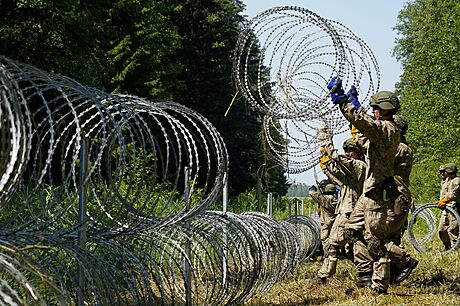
<point x="323" y="161"/>
<point x="335" y="89"/>
<point x="442" y="203"/>
<point x="353" y="97"/>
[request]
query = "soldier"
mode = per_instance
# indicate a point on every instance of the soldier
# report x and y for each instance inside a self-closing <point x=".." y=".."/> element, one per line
<point x="381" y="141"/>
<point x="349" y="171"/>
<point x="448" y="226"/>
<point x="444" y="180"/>
<point x="327" y="202"/>
<point x="401" y="262"/>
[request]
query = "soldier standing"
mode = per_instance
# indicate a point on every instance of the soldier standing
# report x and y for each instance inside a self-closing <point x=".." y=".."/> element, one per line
<point x="379" y="191"/>
<point x="450" y="196"/>
<point x="327" y="202"/>
<point x="349" y="171"/>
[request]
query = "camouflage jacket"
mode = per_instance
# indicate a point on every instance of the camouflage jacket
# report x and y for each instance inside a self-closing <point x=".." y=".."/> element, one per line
<point x="349" y="173"/>
<point x="444" y="187"/>
<point x="453" y="190"/>
<point x="402" y="169"/>
<point x="327" y="203"/>
<point x="381" y="142"/>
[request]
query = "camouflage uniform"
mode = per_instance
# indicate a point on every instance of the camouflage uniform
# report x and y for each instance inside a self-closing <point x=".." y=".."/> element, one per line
<point x="350" y="174"/>
<point x="397" y="214"/>
<point x="381" y="142"/>
<point x="448" y="226"/>
<point x="327" y="203"/>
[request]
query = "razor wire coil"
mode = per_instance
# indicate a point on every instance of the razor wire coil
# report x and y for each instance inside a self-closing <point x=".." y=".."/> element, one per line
<point x="283" y="60"/>
<point x="139" y="232"/>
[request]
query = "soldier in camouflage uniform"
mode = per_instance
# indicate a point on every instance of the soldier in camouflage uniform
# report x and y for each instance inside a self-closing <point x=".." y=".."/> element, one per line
<point x="401" y="262"/>
<point x="327" y="201"/>
<point x="450" y="193"/>
<point x="444" y="181"/>
<point x="348" y="171"/>
<point x="381" y="140"/>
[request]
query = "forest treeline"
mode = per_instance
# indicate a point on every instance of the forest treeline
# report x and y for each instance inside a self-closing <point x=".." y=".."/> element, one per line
<point x="166" y="50"/>
<point x="181" y="50"/>
<point x="428" y="48"/>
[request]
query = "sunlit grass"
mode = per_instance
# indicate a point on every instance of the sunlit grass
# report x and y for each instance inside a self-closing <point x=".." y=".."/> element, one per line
<point x="435" y="281"/>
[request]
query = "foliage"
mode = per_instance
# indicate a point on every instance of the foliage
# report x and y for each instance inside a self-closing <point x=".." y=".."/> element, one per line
<point x="298" y="190"/>
<point x="162" y="50"/>
<point x="429" y="51"/>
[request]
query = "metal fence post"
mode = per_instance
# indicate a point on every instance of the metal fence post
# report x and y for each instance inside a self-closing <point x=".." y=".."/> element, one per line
<point x="296" y="208"/>
<point x="82" y="215"/>
<point x="270" y="204"/>
<point x="225" y="251"/>
<point x="187" y="269"/>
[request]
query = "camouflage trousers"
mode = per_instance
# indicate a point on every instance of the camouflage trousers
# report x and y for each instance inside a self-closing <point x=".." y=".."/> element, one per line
<point x="382" y="229"/>
<point x="334" y="242"/>
<point x="396" y="223"/>
<point x="448" y="228"/>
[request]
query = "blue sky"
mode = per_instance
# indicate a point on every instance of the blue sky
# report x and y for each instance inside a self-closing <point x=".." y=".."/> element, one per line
<point x="371" y="20"/>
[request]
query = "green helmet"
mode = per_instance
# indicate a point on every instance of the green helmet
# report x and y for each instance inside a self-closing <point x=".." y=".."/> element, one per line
<point x="323" y="183"/>
<point x="400" y="123"/>
<point x="350" y="144"/>
<point x="329" y="189"/>
<point x="385" y="100"/>
<point x="451" y="168"/>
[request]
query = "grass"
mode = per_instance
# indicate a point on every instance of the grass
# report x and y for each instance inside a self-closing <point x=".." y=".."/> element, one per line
<point x="435" y="281"/>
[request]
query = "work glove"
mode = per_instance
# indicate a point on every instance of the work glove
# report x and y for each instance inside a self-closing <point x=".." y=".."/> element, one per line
<point x="313" y="188"/>
<point x="335" y="90"/>
<point x="323" y="135"/>
<point x="354" y="133"/>
<point x="353" y="97"/>
<point x="318" y="211"/>
<point x="323" y="161"/>
<point x="442" y="203"/>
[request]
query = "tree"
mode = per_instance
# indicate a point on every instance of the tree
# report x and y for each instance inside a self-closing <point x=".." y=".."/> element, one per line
<point x="178" y="50"/>
<point x="429" y="51"/>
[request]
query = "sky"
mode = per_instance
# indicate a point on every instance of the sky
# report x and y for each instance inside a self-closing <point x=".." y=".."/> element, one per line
<point x="371" y="20"/>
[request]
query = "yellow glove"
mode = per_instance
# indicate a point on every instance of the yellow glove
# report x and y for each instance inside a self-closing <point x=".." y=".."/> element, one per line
<point x="318" y="210"/>
<point x="323" y="161"/>
<point x="442" y="203"/>
<point x="354" y="133"/>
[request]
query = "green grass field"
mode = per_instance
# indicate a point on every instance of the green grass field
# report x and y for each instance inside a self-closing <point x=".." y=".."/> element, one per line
<point x="435" y="281"/>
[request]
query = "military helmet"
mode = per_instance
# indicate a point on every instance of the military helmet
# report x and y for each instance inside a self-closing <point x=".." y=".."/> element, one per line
<point x="442" y="168"/>
<point x="323" y="183"/>
<point x="350" y="144"/>
<point x="400" y="123"/>
<point x="451" y="168"/>
<point x="385" y="100"/>
<point x="329" y="189"/>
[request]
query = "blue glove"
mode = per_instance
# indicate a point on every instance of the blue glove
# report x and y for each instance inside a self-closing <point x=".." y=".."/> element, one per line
<point x="353" y="97"/>
<point x="335" y="89"/>
<point x="313" y="187"/>
<point x="337" y="191"/>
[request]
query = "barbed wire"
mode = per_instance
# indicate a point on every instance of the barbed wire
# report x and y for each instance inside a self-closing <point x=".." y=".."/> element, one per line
<point x="283" y="60"/>
<point x="148" y="239"/>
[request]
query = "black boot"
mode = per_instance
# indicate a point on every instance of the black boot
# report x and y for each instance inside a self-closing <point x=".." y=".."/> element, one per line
<point x="406" y="271"/>
<point x="364" y="280"/>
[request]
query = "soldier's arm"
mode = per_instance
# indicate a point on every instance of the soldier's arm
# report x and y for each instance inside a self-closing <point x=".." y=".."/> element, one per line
<point x="373" y="129"/>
